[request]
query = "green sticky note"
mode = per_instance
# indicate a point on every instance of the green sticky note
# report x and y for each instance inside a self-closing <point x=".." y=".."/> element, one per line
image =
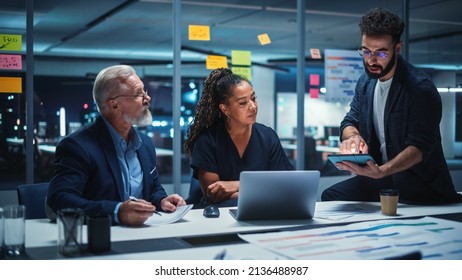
<point x="10" y="42"/>
<point x="240" y="58"/>
<point x="245" y="72"/>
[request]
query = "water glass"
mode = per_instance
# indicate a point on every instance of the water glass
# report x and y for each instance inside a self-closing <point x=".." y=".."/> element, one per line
<point x="14" y="229"/>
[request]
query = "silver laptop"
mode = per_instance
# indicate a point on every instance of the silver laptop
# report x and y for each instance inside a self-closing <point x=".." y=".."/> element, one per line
<point x="277" y="195"/>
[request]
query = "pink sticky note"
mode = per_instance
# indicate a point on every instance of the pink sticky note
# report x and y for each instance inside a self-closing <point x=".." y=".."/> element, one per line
<point x="10" y="62"/>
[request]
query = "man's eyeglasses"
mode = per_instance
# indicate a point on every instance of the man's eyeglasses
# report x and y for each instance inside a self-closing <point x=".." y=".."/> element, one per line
<point x="368" y="53"/>
<point x="143" y="94"/>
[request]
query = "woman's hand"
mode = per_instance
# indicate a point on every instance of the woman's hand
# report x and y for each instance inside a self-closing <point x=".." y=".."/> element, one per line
<point x="221" y="190"/>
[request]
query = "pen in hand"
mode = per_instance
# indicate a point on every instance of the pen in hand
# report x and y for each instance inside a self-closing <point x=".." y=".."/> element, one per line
<point x="132" y="198"/>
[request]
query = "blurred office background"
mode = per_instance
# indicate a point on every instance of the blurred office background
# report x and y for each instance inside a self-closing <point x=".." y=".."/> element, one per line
<point x="74" y="40"/>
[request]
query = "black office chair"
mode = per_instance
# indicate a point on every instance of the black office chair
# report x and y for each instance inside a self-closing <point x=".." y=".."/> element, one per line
<point x="33" y="196"/>
<point x="313" y="158"/>
<point x="195" y="194"/>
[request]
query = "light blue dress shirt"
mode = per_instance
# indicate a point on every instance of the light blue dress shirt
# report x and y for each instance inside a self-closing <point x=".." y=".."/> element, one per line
<point x="132" y="175"/>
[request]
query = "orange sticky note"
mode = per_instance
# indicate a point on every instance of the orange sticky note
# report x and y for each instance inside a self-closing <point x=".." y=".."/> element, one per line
<point x="10" y="84"/>
<point x="216" y="61"/>
<point x="264" y="39"/>
<point x="199" y="32"/>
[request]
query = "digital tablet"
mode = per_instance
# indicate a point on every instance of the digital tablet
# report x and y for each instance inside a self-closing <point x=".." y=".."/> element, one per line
<point x="360" y="159"/>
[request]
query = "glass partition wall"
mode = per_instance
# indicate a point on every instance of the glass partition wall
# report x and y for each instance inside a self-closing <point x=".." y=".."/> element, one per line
<point x="70" y="47"/>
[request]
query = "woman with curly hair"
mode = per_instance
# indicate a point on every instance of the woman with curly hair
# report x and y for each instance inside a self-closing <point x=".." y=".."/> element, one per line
<point x="225" y="139"/>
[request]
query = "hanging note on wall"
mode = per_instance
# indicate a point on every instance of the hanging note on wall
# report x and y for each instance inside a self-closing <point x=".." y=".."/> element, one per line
<point x="10" y="42"/>
<point x="245" y="72"/>
<point x="314" y="80"/>
<point x="240" y="58"/>
<point x="264" y="39"/>
<point x="10" y="62"/>
<point x="199" y="32"/>
<point x="216" y="61"/>
<point x="10" y="85"/>
<point x="315" y="53"/>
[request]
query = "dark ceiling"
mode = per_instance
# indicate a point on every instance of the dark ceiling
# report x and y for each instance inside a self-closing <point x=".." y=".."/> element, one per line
<point x="89" y="34"/>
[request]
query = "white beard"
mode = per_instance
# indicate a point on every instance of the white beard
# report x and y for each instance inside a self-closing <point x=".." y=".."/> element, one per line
<point x="144" y="120"/>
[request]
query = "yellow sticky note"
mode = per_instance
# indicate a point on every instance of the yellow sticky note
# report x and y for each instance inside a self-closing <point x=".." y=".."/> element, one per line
<point x="10" y="42"/>
<point x="264" y="39"/>
<point x="216" y="61"/>
<point x="199" y="33"/>
<point x="243" y="71"/>
<point x="11" y="84"/>
<point x="240" y="58"/>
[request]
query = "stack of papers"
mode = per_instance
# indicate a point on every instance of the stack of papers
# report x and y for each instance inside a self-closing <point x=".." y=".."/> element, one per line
<point x="167" y="217"/>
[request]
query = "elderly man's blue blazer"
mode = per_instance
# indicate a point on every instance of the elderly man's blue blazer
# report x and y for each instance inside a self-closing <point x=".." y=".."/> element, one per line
<point x="87" y="173"/>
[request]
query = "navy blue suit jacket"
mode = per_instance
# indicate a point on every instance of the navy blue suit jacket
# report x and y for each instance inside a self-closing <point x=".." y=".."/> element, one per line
<point x="412" y="116"/>
<point x="87" y="173"/>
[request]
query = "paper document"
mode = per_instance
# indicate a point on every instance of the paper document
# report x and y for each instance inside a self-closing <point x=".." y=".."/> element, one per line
<point x="433" y="238"/>
<point x="344" y="211"/>
<point x="167" y="217"/>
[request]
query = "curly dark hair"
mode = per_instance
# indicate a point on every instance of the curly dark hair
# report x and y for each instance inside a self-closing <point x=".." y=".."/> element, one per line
<point x="382" y="22"/>
<point x="217" y="90"/>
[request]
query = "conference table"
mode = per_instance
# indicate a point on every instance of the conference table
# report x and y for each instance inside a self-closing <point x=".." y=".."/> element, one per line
<point x="197" y="237"/>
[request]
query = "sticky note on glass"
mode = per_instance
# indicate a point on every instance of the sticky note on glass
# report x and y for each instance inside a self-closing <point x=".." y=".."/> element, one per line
<point x="10" y="62"/>
<point x="10" y="42"/>
<point x="314" y="80"/>
<point x="216" y="61"/>
<point x="314" y="92"/>
<point x="315" y="53"/>
<point x="240" y="58"/>
<point x="264" y="39"/>
<point x="243" y="71"/>
<point x="10" y="84"/>
<point x="199" y="32"/>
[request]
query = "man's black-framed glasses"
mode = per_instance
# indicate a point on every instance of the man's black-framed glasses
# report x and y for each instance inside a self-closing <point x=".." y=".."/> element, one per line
<point x="143" y="94"/>
<point x="368" y="53"/>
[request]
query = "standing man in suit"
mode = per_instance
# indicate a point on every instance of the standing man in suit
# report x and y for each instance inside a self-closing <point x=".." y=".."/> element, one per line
<point x="394" y="116"/>
<point x="100" y="167"/>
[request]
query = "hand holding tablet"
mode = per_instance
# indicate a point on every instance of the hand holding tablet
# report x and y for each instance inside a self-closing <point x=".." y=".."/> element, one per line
<point x="360" y="159"/>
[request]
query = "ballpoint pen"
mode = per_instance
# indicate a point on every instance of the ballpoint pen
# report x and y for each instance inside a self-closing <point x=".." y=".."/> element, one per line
<point x="132" y="198"/>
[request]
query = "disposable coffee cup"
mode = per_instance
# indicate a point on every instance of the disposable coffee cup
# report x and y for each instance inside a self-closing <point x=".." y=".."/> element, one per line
<point x="389" y="201"/>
